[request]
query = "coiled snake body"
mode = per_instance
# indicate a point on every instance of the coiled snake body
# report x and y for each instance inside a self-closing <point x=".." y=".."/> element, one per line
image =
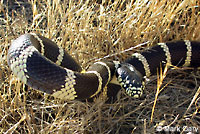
<point x="41" y="64"/>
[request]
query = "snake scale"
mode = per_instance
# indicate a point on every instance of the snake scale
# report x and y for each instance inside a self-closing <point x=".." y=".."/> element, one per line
<point x="41" y="64"/>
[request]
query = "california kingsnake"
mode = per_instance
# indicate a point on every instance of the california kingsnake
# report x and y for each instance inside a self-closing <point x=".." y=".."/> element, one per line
<point x="41" y="64"/>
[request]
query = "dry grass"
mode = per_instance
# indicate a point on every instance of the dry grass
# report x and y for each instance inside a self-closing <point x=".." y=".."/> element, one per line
<point x="89" y="30"/>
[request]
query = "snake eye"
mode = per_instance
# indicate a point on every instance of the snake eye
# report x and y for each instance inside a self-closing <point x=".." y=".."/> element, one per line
<point x="130" y="80"/>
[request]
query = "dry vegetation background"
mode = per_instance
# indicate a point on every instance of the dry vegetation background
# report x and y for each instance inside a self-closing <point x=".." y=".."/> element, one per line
<point x="89" y="30"/>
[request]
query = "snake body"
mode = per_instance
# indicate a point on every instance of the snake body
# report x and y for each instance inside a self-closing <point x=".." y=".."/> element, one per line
<point x="149" y="62"/>
<point x="41" y="64"/>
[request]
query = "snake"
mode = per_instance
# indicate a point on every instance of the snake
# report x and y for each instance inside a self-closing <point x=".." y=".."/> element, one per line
<point x="43" y="65"/>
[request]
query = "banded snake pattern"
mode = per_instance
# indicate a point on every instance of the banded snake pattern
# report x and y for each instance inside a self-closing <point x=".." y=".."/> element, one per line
<point x="42" y="65"/>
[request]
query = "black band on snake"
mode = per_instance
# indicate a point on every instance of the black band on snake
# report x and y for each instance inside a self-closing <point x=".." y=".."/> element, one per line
<point x="41" y="64"/>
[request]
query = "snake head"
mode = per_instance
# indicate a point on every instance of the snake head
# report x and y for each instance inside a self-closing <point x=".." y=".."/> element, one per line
<point x="130" y="79"/>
